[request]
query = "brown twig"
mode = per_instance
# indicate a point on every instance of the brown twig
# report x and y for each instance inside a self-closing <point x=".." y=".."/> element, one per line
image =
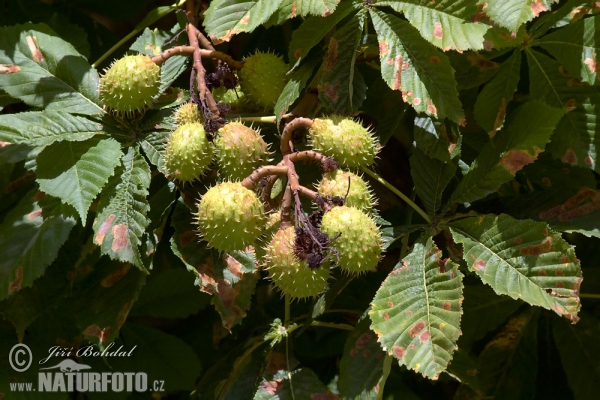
<point x="255" y="177"/>
<point x="290" y="127"/>
<point x="173" y="51"/>
<point x="286" y="208"/>
<point x="327" y="163"/>
<point x="204" y="42"/>
<point x="206" y="97"/>
<point x="234" y="64"/>
<point x="266" y="193"/>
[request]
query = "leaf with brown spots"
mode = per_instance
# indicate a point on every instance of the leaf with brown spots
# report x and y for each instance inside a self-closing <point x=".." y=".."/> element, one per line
<point x="518" y="143"/>
<point x="225" y="18"/>
<point x="423" y="321"/>
<point x="532" y="268"/>
<point x="30" y="239"/>
<point x="51" y="75"/>
<point x="576" y="47"/>
<point x="447" y="25"/>
<point x="304" y="385"/>
<point x="407" y="66"/>
<point x="512" y="14"/>
<point x="361" y="365"/>
<point x="342" y="88"/>
<point x="123" y="208"/>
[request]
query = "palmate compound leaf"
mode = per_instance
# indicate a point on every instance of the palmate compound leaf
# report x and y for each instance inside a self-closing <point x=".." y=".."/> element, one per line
<point x="415" y="67"/>
<point x="226" y="18"/>
<point x="416" y="311"/>
<point x="30" y="238"/>
<point x="522" y="259"/>
<point x="512" y="14"/>
<point x="447" y="24"/>
<point x="519" y="143"/>
<point x="46" y="71"/>
<point x="122" y="210"/>
<point x="578" y="134"/>
<point x="76" y="172"/>
<point x="575" y="46"/>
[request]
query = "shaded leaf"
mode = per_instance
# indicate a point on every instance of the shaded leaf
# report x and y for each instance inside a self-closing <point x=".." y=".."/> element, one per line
<point x="524" y="136"/>
<point x="361" y="365"/>
<point x="463" y="368"/>
<point x="76" y="172"/>
<point x="342" y="88"/>
<point x="226" y="18"/>
<point x="155" y="146"/>
<point x="313" y="30"/>
<point x="510" y="359"/>
<point x="416" y="311"/>
<point x="435" y="139"/>
<point x="490" y="107"/>
<point x="472" y="69"/>
<point x="42" y="128"/>
<point x="579" y="136"/>
<point x="51" y="73"/>
<point x="122" y="210"/>
<point x="579" y="351"/>
<point x="412" y="65"/>
<point x="512" y="14"/>
<point x="171" y="294"/>
<point x="575" y="46"/>
<point x="447" y="24"/>
<point x="30" y="241"/>
<point x="431" y="176"/>
<point x="484" y="311"/>
<point x="294" y="87"/>
<point x="578" y="213"/>
<point x="523" y="259"/>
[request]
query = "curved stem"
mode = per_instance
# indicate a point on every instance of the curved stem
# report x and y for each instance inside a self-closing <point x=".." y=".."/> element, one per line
<point x="255" y="177"/>
<point x="137" y="30"/>
<point x="345" y="327"/>
<point x="398" y="193"/>
<point x="290" y="127"/>
<point x="266" y="120"/>
<point x="589" y="295"/>
<point x="387" y="367"/>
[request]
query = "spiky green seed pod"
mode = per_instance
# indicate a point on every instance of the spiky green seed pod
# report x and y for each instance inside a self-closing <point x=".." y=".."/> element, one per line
<point x="130" y="84"/>
<point x="360" y="244"/>
<point x="235" y="98"/>
<point x="271" y="227"/>
<point x="230" y="217"/>
<point x="263" y="78"/>
<point x="188" y="152"/>
<point x="336" y="184"/>
<point x="240" y="150"/>
<point x="347" y="141"/>
<point x="187" y="114"/>
<point x="291" y="274"/>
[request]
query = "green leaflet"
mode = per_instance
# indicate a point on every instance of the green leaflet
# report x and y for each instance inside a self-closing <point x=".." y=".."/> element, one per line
<point x="122" y="210"/>
<point x="76" y="172"/>
<point x="294" y="87"/>
<point x="447" y="24"/>
<point x="522" y="259"/>
<point x="578" y="137"/>
<point x="431" y="176"/>
<point x="50" y="72"/>
<point x="512" y="14"/>
<point x="343" y="87"/>
<point x="30" y="239"/>
<point x="575" y="46"/>
<point x="226" y="18"/>
<point x="42" y="128"/>
<point x="524" y="136"/>
<point x="415" y="67"/>
<point x="154" y="146"/>
<point x="437" y="139"/>
<point x="510" y="359"/>
<point x="312" y="30"/>
<point x="579" y="350"/>
<point x="304" y="385"/>
<point x="361" y="365"/>
<point x="490" y="107"/>
<point x="416" y="311"/>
